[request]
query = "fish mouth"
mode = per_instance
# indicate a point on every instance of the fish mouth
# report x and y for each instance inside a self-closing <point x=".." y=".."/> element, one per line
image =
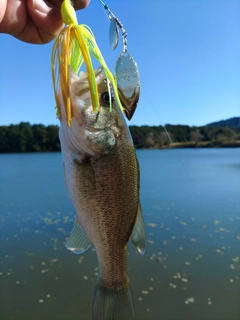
<point x="80" y="85"/>
<point x="81" y="102"/>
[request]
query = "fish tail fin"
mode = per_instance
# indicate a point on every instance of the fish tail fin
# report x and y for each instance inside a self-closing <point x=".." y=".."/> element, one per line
<point x="109" y="304"/>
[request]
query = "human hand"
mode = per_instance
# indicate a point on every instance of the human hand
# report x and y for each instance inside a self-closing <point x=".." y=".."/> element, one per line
<point x="33" y="21"/>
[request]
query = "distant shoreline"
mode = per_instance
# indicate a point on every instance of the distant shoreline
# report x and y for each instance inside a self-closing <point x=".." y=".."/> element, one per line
<point x="193" y="145"/>
<point x="25" y="137"/>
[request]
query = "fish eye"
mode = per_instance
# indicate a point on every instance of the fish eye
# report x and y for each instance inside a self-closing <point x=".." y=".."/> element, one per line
<point x="105" y="97"/>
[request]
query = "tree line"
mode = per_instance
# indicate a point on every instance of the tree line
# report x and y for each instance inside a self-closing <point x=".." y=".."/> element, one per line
<point x="183" y="136"/>
<point x="25" y="137"/>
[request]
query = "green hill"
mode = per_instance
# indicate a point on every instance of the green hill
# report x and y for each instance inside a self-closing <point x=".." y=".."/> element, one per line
<point x="231" y="123"/>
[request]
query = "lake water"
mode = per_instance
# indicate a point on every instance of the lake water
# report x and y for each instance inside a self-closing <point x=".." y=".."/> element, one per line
<point x="191" y="270"/>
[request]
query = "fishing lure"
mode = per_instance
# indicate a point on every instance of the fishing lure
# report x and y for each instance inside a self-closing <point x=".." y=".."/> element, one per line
<point x="74" y="46"/>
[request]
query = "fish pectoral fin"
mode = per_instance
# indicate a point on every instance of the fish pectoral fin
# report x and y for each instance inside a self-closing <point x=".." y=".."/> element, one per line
<point x="78" y="241"/>
<point x="138" y="236"/>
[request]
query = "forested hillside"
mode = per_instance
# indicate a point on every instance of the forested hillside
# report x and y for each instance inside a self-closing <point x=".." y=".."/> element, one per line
<point x="28" y="138"/>
<point x="39" y="138"/>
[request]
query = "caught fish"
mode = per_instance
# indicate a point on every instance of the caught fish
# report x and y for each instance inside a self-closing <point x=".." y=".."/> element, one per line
<point x="102" y="177"/>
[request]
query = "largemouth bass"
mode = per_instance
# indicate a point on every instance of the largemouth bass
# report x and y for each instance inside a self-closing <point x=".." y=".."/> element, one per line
<point x="102" y="177"/>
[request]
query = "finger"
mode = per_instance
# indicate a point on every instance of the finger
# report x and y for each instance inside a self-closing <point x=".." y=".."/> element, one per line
<point x="46" y="16"/>
<point x="78" y="4"/>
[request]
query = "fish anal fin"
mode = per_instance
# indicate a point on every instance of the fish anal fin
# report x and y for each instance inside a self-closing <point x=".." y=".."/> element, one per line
<point x="78" y="241"/>
<point x="138" y="236"/>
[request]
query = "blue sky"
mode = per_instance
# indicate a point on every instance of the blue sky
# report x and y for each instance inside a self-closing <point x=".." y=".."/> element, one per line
<point x="187" y="51"/>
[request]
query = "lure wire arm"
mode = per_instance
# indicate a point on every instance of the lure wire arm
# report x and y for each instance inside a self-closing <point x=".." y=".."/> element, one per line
<point x="112" y="17"/>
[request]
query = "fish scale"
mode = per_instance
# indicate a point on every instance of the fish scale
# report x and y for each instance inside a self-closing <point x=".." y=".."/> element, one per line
<point x="117" y="214"/>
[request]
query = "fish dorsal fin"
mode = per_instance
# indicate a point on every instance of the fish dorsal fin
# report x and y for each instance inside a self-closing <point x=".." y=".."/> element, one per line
<point x="138" y="236"/>
<point x="78" y="241"/>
